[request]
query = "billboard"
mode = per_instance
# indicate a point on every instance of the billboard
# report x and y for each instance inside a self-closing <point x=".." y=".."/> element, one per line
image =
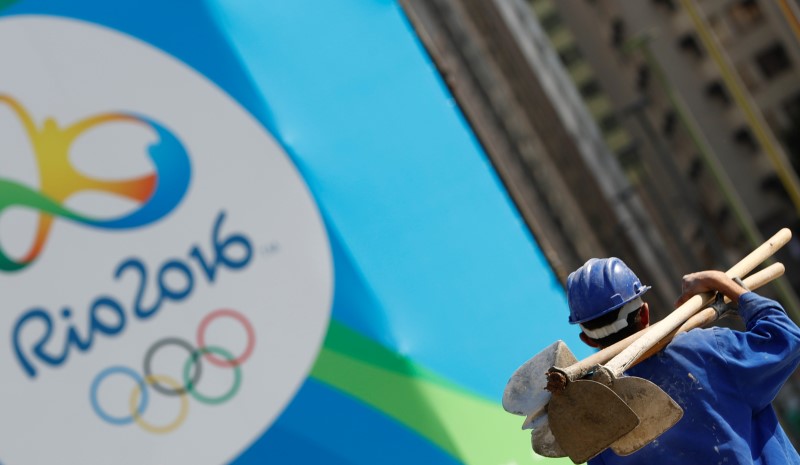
<point x="252" y="232"/>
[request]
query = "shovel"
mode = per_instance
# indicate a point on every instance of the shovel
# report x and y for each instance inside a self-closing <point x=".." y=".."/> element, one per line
<point x="589" y="415"/>
<point x="526" y="392"/>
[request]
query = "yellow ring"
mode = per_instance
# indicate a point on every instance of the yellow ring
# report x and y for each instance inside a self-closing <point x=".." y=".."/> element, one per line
<point x="134" y="403"/>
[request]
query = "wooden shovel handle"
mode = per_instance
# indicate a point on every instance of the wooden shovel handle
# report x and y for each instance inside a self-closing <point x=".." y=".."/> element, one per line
<point x="617" y="365"/>
<point x="580" y="369"/>
<point x="710" y="315"/>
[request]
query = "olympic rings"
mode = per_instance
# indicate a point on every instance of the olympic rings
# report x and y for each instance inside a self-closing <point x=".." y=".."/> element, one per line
<point x="237" y="380"/>
<point x="192" y="371"/>
<point x="153" y="380"/>
<point x="148" y="358"/>
<point x="251" y="336"/>
<point x="96" y="404"/>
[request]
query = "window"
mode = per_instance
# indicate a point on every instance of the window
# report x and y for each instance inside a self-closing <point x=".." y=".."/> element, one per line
<point x="629" y="158"/>
<point x="716" y="91"/>
<point x="688" y="43"/>
<point x="773" y="61"/>
<point x="617" y="32"/>
<point x="696" y="169"/>
<point x="745" y="15"/>
<point x="791" y="107"/>
<point x="723" y="214"/>
<point x="791" y="133"/>
<point x="771" y="183"/>
<point x="590" y="88"/>
<point x="609" y="123"/>
<point x="642" y="78"/>
<point x="669" y="123"/>
<point x="669" y="5"/>
<point x="569" y="55"/>
<point x="744" y="138"/>
<point x="551" y="22"/>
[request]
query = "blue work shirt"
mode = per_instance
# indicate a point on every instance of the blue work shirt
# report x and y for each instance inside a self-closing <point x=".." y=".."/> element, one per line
<point x="725" y="381"/>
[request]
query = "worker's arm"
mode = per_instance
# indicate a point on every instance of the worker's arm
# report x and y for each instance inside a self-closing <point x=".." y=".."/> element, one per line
<point x="709" y="281"/>
<point x="761" y="358"/>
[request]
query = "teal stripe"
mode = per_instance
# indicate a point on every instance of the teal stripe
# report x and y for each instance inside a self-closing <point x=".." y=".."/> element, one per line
<point x="6" y="3"/>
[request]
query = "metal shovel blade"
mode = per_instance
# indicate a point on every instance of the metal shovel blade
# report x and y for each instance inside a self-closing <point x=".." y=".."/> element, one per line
<point x="543" y="441"/>
<point x="656" y="410"/>
<point x="587" y="417"/>
<point x="525" y="393"/>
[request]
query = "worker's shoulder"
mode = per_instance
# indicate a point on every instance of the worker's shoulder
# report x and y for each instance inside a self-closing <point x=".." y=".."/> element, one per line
<point x="696" y="339"/>
<point x="691" y="350"/>
<point x="754" y="305"/>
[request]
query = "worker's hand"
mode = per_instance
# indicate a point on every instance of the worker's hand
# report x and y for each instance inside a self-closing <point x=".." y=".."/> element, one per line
<point x="709" y="281"/>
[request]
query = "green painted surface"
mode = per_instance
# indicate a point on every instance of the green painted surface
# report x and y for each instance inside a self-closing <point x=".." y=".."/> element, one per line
<point x="468" y="427"/>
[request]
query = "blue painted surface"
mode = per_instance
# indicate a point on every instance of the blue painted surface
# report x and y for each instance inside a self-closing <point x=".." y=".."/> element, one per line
<point x="404" y="183"/>
<point x="325" y="426"/>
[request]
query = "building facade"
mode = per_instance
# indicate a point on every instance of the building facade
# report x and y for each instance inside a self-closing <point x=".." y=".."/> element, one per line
<point x="664" y="132"/>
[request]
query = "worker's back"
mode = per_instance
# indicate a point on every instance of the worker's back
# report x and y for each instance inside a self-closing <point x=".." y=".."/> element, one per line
<point x="725" y="382"/>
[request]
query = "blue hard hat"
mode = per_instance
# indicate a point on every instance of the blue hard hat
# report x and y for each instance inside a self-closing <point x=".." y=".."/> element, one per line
<point x="601" y="286"/>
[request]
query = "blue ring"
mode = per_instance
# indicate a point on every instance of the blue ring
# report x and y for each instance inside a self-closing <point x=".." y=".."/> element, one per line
<point x="96" y="404"/>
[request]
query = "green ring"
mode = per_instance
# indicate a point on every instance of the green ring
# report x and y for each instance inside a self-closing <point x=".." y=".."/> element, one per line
<point x="197" y="355"/>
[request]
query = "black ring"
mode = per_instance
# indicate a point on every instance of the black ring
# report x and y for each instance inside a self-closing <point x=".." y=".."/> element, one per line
<point x="148" y="358"/>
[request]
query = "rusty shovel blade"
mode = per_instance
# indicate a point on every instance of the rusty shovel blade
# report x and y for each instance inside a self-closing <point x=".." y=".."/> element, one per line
<point x="656" y="410"/>
<point x="587" y="417"/>
<point x="525" y="393"/>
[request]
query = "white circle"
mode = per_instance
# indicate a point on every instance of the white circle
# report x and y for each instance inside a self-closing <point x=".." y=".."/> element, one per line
<point x="65" y="71"/>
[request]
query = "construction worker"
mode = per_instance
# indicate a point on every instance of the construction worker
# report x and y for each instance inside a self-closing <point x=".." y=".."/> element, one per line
<point x="725" y="380"/>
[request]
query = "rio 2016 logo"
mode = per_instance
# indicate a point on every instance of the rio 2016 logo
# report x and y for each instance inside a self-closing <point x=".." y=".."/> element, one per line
<point x="157" y="194"/>
<point x="148" y="198"/>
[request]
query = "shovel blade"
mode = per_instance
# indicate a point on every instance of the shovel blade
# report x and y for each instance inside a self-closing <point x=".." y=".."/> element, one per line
<point x="543" y="441"/>
<point x="587" y="417"/>
<point x="525" y="393"/>
<point x="656" y="410"/>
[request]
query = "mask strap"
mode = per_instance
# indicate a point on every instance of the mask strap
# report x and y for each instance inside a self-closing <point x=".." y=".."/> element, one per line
<point x="622" y="321"/>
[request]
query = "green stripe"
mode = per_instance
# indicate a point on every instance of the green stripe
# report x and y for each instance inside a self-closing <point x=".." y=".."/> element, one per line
<point x="466" y="426"/>
<point x="344" y="340"/>
<point x="398" y="396"/>
<point x="6" y="3"/>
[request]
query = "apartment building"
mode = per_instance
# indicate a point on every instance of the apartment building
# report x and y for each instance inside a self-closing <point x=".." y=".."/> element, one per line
<point x="701" y="99"/>
<point x="547" y="149"/>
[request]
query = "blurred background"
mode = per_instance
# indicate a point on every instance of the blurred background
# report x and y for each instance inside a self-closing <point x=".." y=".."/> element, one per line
<point x="663" y="132"/>
<point x="404" y="186"/>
